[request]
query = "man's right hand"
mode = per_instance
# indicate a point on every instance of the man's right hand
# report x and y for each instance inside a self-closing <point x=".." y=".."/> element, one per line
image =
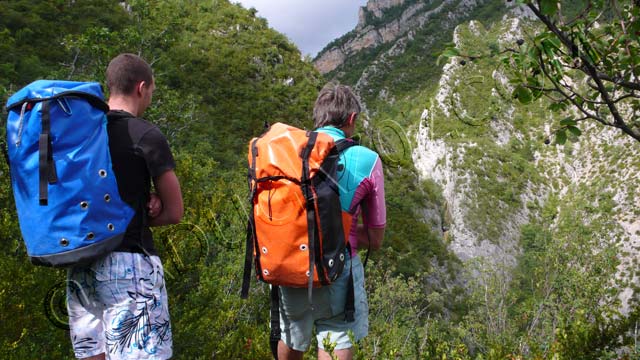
<point x="154" y="206"/>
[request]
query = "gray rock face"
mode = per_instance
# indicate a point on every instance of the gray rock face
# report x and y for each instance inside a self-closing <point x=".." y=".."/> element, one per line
<point x="367" y="36"/>
<point x="393" y="29"/>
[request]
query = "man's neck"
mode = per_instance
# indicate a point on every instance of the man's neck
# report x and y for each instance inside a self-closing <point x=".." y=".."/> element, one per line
<point x="125" y="104"/>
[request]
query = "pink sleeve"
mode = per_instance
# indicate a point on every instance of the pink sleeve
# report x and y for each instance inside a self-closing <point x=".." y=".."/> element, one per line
<point x="369" y="194"/>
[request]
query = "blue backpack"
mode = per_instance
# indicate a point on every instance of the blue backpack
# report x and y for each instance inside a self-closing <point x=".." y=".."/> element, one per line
<point x="66" y="194"/>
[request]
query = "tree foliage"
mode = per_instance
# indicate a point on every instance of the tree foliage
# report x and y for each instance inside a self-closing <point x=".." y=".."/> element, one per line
<point x="221" y="72"/>
<point x="586" y="60"/>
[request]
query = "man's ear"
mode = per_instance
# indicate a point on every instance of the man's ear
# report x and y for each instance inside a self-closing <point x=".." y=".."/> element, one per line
<point x="352" y="118"/>
<point x="140" y="87"/>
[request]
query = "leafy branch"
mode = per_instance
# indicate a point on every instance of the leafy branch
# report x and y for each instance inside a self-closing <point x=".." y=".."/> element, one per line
<point x="589" y="64"/>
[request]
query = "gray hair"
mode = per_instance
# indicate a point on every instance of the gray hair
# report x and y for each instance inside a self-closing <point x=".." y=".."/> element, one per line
<point x="333" y="106"/>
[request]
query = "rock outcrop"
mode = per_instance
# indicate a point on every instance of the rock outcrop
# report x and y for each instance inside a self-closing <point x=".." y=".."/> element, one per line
<point x="387" y="21"/>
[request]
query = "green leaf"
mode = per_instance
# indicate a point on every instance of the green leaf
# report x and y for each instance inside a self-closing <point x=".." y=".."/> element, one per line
<point x="568" y="122"/>
<point x="523" y="94"/>
<point x="557" y="66"/>
<point x="549" y="7"/>
<point x="561" y="137"/>
<point x="555" y="42"/>
<point x="558" y="106"/>
<point x="548" y="49"/>
<point x="574" y="130"/>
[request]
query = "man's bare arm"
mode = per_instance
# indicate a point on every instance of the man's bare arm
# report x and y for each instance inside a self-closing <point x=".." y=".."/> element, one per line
<point x="168" y="189"/>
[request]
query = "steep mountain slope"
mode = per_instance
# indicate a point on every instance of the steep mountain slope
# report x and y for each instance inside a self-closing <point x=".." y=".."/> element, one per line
<point x="548" y="232"/>
<point x="487" y="153"/>
<point x="394" y="47"/>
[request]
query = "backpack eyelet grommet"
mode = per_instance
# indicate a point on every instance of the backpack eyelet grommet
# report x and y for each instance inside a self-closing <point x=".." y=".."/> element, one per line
<point x="91" y="235"/>
<point x="264" y="250"/>
<point x="331" y="262"/>
<point x="102" y="173"/>
<point x="341" y="257"/>
<point x="265" y="272"/>
<point x="303" y="247"/>
<point x="308" y="273"/>
<point x="107" y="197"/>
<point x="84" y="205"/>
<point x="111" y="227"/>
<point x="64" y="242"/>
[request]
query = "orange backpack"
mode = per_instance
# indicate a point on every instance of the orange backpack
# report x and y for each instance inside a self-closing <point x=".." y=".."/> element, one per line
<point x="297" y="232"/>
<point x="294" y="198"/>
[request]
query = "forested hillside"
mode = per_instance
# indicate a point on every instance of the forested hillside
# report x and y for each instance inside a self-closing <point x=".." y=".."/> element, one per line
<point x="498" y="245"/>
<point x="220" y="74"/>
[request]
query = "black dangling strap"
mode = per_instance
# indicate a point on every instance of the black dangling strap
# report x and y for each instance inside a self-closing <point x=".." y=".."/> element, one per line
<point x="251" y="229"/>
<point x="350" y="304"/>
<point x="47" y="167"/>
<point x="248" y="259"/>
<point x="274" y="337"/>
<point x="366" y="258"/>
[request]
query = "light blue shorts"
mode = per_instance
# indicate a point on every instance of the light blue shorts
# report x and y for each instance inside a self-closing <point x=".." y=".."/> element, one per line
<point x="118" y="306"/>
<point x="297" y="319"/>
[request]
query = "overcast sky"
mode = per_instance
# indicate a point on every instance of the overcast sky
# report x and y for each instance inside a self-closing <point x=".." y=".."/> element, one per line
<point x="310" y="24"/>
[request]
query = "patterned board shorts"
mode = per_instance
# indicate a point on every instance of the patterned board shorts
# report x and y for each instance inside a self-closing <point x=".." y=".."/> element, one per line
<point x="118" y="306"/>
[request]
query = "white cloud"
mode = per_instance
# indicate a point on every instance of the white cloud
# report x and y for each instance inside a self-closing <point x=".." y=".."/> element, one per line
<point x="310" y="24"/>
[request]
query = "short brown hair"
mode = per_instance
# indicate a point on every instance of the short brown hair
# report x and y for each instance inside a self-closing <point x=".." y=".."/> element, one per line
<point x="126" y="71"/>
<point x="334" y="104"/>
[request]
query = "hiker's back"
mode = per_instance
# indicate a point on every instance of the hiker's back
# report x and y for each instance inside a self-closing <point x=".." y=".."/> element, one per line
<point x="139" y="152"/>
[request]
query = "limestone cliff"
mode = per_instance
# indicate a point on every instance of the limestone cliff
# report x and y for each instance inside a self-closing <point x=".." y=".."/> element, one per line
<point x="485" y="153"/>
<point x="385" y="22"/>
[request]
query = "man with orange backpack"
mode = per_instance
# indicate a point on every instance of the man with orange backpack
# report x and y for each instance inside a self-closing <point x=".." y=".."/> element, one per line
<point x="360" y="181"/>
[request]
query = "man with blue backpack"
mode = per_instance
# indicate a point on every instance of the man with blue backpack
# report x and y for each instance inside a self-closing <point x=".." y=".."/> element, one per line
<point x="118" y="306"/>
<point x="81" y="178"/>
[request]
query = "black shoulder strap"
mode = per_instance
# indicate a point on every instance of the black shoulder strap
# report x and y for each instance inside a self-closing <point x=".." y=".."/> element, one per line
<point x="311" y="208"/>
<point x="95" y="101"/>
<point x="248" y="258"/>
<point x="349" y="306"/>
<point x="344" y="144"/>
